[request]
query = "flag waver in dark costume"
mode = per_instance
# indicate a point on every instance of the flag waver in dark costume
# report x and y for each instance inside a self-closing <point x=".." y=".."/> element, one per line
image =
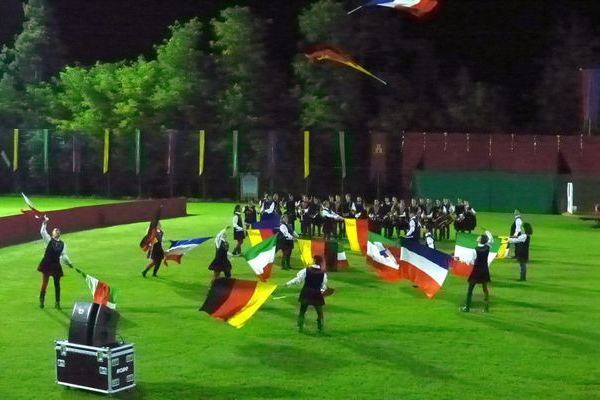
<point x="152" y="243"/>
<point x="50" y="266"/>
<point x="235" y="301"/>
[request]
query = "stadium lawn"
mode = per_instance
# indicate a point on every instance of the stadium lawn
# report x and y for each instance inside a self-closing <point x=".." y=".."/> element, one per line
<point x="382" y="340"/>
<point x="11" y="205"/>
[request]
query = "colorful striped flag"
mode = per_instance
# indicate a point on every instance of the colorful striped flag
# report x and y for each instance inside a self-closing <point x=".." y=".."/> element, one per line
<point x="150" y="238"/>
<point x="235" y="301"/>
<point x="357" y="231"/>
<point x="106" y="158"/>
<point x="101" y="292"/>
<point x="36" y="213"/>
<point x="331" y="54"/>
<point x="180" y="247"/>
<point x="382" y="255"/>
<point x="15" y="150"/>
<point x="46" y="140"/>
<point x="201" y="144"/>
<point x="334" y="257"/>
<point x="306" y="154"/>
<point x="258" y="235"/>
<point x="418" y="8"/>
<point x="138" y="151"/>
<point x="425" y="267"/>
<point x="261" y="257"/>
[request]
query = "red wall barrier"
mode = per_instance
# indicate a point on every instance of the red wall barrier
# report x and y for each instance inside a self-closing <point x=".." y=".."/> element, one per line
<point x="24" y="228"/>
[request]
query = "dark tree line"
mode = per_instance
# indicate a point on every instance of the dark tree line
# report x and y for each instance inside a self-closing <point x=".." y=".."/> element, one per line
<point x="225" y="74"/>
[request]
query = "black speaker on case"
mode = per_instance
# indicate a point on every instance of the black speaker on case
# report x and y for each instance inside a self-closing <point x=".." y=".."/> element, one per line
<point x="93" y="325"/>
<point x="82" y="323"/>
<point x="105" y="327"/>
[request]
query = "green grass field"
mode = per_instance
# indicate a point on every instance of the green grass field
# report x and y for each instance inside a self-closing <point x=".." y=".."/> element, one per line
<point x="383" y="341"/>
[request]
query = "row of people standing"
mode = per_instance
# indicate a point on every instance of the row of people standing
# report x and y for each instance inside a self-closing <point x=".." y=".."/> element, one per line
<point x="391" y="217"/>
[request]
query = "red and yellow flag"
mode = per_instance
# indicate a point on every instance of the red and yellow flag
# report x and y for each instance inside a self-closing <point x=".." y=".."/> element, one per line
<point x="331" y="54"/>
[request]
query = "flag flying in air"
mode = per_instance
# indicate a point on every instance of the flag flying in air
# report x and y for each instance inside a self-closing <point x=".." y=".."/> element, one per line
<point x="235" y="301"/>
<point x="418" y="8"/>
<point x="464" y="251"/>
<point x="357" y="231"/>
<point x="333" y="255"/>
<point x="383" y="254"/>
<point x="180" y="247"/>
<point x="102" y="293"/>
<point x="150" y="238"/>
<point x="331" y="54"/>
<point x="261" y="257"/>
<point x="425" y="267"/>
<point x="32" y="210"/>
<point x="258" y="235"/>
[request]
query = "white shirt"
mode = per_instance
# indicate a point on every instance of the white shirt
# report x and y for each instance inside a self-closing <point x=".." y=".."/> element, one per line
<point x="301" y="276"/>
<point x="234" y="223"/>
<point x="268" y="210"/>
<point x="220" y="238"/>
<point x="518" y="225"/>
<point x="286" y="233"/>
<point x="64" y="257"/>
<point x="412" y="225"/>
<point x="325" y="212"/>
<point x="519" y="239"/>
<point x="430" y="242"/>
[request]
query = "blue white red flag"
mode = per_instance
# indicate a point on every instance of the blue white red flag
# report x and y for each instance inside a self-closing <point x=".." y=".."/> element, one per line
<point x="180" y="247"/>
<point x="425" y="267"/>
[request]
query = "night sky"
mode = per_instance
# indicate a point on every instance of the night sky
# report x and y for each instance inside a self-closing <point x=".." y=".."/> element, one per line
<point x="502" y="42"/>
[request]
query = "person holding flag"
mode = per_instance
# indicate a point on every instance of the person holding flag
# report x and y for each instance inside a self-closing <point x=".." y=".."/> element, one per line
<point x="155" y="252"/>
<point x="521" y="243"/>
<point x="56" y="251"/>
<point x="330" y="218"/>
<point x="481" y="271"/>
<point x="315" y="284"/>
<point x="221" y="261"/>
<point x="238" y="230"/>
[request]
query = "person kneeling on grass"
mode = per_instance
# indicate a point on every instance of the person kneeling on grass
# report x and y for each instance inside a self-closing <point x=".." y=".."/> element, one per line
<point x="56" y="251"/>
<point x="521" y="243"/>
<point x="481" y="272"/>
<point x="315" y="284"/>
<point x="221" y="261"/>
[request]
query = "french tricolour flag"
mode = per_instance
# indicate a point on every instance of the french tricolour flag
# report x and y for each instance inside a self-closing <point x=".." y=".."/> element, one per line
<point x="425" y="267"/>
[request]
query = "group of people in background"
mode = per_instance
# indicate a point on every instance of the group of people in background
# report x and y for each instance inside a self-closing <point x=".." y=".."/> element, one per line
<point x="391" y="217"/>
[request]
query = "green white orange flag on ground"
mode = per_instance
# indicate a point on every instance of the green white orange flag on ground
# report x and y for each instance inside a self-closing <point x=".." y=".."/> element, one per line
<point x="382" y="255"/>
<point x="261" y="257"/>
<point x="464" y="250"/>
<point x="357" y="231"/>
<point x="102" y="293"/>
<point x="235" y="301"/>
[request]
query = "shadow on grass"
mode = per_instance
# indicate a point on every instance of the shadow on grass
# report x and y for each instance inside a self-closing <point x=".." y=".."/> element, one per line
<point x="541" y="333"/>
<point x="187" y="390"/>
<point x="60" y="317"/>
<point x="293" y="359"/>
<point x="192" y="291"/>
<point x="386" y="354"/>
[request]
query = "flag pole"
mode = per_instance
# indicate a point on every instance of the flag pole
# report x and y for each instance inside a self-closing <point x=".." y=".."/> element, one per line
<point x="353" y="10"/>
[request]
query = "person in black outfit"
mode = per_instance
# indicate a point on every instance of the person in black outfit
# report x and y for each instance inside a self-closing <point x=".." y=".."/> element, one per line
<point x="249" y="214"/>
<point x="290" y="210"/>
<point x="50" y="264"/>
<point x="155" y="253"/>
<point x="285" y="242"/>
<point x="238" y="230"/>
<point x="521" y="243"/>
<point x="481" y="272"/>
<point x="315" y="284"/>
<point x="221" y="261"/>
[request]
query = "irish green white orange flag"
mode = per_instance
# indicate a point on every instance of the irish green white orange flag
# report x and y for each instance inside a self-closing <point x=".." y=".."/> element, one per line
<point x="261" y="257"/>
<point x="235" y="301"/>
<point x="103" y="294"/>
<point x="464" y="250"/>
